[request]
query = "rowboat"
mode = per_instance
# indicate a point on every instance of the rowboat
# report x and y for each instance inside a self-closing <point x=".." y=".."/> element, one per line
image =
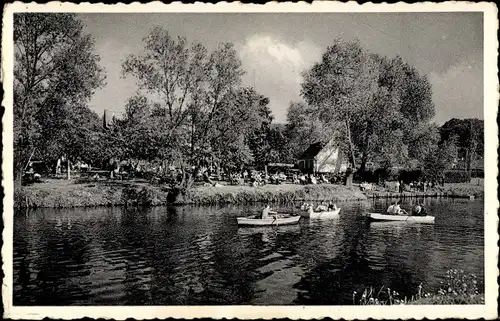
<point x="401" y="218"/>
<point x="324" y="214"/>
<point x="270" y="221"/>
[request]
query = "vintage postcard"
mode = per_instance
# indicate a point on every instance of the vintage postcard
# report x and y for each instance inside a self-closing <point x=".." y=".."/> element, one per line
<point x="287" y="160"/>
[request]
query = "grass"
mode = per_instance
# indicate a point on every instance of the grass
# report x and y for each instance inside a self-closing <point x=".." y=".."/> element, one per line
<point x="63" y="193"/>
<point x="458" y="288"/>
<point x="463" y="189"/>
<point x="458" y="190"/>
<point x="269" y="193"/>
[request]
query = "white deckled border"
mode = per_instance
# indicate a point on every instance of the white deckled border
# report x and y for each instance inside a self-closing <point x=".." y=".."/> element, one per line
<point x="491" y="98"/>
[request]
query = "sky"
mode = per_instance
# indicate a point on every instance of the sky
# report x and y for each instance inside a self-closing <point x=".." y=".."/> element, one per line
<point x="275" y="48"/>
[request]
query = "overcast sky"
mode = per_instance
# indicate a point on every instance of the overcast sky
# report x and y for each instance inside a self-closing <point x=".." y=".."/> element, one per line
<point x="276" y="48"/>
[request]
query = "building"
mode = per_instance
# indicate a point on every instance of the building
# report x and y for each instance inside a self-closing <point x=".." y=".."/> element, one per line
<point x="322" y="158"/>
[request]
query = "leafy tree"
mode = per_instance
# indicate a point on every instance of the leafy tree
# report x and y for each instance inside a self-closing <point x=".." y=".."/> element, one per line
<point x="55" y="73"/>
<point x="305" y="128"/>
<point x="278" y="144"/>
<point x="341" y="87"/>
<point x="381" y="106"/>
<point x="439" y="160"/>
<point x="468" y="135"/>
<point x="190" y="106"/>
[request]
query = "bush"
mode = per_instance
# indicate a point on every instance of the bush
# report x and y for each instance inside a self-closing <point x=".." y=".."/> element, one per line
<point x="456" y="177"/>
<point x="134" y="196"/>
<point x="458" y="288"/>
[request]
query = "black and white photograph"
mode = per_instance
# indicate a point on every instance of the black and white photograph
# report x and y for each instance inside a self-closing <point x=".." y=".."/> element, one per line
<point x="232" y="161"/>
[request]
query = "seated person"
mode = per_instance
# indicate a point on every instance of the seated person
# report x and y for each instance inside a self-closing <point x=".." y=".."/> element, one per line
<point x="398" y="210"/>
<point x="321" y="208"/>
<point x="390" y="209"/>
<point x="266" y="211"/>
<point x="332" y="206"/>
<point x="423" y="211"/>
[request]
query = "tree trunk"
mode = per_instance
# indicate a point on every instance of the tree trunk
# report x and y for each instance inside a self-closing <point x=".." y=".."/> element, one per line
<point x="364" y="158"/>
<point x="351" y="147"/>
<point x="18" y="180"/>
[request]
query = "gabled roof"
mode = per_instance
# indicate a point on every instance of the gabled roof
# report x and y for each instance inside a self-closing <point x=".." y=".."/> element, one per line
<point x="312" y="150"/>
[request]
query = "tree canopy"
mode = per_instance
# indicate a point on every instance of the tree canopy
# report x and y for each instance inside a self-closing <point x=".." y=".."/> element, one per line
<point x="191" y="105"/>
<point x="379" y="106"/>
<point x="56" y="71"/>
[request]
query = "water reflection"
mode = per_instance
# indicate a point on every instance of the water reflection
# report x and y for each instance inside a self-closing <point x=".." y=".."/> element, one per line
<point x="198" y="255"/>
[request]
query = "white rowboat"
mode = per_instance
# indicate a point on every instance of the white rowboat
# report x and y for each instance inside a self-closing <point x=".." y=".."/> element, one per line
<point x="271" y="221"/>
<point x="325" y="214"/>
<point x="401" y="218"/>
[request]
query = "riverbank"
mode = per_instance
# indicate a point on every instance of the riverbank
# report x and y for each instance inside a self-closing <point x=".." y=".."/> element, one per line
<point x="271" y="193"/>
<point x="65" y="194"/>
<point x="452" y="190"/>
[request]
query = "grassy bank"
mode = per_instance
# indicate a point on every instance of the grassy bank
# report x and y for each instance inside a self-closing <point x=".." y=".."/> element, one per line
<point x="63" y="193"/>
<point x="454" y="190"/>
<point x="270" y="193"/>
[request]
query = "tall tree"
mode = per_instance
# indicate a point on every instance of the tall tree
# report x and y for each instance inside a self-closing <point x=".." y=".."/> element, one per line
<point x="56" y="71"/>
<point x="468" y="135"/>
<point x="193" y="91"/>
<point x="382" y="104"/>
<point x="304" y="128"/>
<point x="341" y="87"/>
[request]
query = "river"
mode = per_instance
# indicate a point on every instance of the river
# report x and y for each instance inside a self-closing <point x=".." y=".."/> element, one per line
<point x="198" y="255"/>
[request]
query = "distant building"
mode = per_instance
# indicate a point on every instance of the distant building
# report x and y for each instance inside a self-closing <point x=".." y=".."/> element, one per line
<point x="322" y="158"/>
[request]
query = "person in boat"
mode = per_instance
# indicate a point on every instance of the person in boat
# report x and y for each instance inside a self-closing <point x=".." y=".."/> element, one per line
<point x="416" y="210"/>
<point x="332" y="206"/>
<point x="321" y="208"/>
<point x="266" y="211"/>
<point x="397" y="210"/>
<point x="423" y="211"/>
<point x="390" y="209"/>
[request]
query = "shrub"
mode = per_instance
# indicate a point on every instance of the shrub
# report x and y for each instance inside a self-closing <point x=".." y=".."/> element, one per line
<point x="458" y="288"/>
<point x="456" y="177"/>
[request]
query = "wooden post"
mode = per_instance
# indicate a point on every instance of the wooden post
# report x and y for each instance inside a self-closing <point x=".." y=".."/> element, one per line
<point x="69" y="170"/>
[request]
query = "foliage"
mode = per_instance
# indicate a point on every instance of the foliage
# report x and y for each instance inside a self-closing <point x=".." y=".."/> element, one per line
<point x="467" y="135"/>
<point x="190" y="108"/>
<point x="458" y="288"/>
<point x="55" y="73"/>
<point x="439" y="159"/>
<point x="380" y="106"/>
<point x="304" y="128"/>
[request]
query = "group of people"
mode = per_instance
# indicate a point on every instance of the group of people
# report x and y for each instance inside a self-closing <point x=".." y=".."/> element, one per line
<point x="323" y="207"/>
<point x="421" y="186"/>
<point x="415" y="186"/>
<point x="309" y="179"/>
<point x="395" y="209"/>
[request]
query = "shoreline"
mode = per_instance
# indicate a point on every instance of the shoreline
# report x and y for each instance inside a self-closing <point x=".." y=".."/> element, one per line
<point x="68" y="194"/>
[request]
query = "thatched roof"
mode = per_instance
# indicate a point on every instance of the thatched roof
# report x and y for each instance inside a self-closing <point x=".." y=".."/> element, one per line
<point x="312" y="150"/>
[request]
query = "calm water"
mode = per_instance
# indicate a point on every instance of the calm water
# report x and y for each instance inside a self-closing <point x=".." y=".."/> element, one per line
<point x="198" y="255"/>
